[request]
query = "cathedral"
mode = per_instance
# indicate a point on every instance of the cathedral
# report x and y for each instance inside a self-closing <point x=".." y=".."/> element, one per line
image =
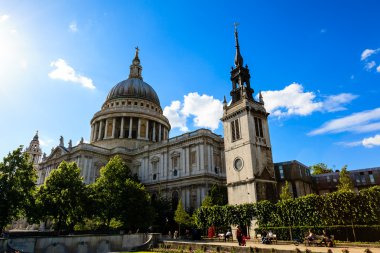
<point x="131" y="124"/>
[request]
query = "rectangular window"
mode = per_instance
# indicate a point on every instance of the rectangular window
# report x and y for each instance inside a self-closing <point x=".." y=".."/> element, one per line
<point x="175" y="162"/>
<point x="371" y="178"/>
<point x="259" y="127"/>
<point x="193" y="157"/>
<point x="328" y="179"/>
<point x="235" y="130"/>
<point x="281" y="172"/>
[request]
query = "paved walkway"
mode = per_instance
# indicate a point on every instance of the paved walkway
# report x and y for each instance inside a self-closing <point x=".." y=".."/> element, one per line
<point x="302" y="247"/>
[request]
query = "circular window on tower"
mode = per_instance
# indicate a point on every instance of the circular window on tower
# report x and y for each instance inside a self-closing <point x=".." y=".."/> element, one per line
<point x="238" y="163"/>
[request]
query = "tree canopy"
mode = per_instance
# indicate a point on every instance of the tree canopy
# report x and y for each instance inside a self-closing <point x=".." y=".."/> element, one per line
<point x="285" y="192"/>
<point x="63" y="196"/>
<point x="181" y="216"/>
<point x="119" y="196"/>
<point x="17" y="186"/>
<point x="320" y="168"/>
<point x="345" y="182"/>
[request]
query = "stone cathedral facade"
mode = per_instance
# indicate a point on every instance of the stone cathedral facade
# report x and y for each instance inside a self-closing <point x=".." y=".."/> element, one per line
<point x="131" y="124"/>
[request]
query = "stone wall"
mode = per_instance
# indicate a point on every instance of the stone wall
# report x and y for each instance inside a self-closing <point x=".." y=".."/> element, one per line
<point x="80" y="243"/>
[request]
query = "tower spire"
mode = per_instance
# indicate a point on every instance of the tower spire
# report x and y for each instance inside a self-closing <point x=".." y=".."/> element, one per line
<point x="135" y="68"/>
<point x="238" y="57"/>
<point x="240" y="77"/>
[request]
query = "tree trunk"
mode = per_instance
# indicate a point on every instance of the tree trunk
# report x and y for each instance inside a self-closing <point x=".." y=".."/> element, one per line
<point x="353" y="231"/>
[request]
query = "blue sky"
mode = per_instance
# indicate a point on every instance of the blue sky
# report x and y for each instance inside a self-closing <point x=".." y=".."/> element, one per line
<point x="316" y="62"/>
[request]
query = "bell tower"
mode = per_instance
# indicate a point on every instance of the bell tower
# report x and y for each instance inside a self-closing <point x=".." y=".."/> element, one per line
<point x="248" y="151"/>
<point x="34" y="150"/>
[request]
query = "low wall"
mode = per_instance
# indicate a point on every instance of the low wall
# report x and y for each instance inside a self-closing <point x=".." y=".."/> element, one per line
<point x="80" y="243"/>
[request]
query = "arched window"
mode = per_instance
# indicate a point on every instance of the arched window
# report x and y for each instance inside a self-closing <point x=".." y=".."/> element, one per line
<point x="175" y="173"/>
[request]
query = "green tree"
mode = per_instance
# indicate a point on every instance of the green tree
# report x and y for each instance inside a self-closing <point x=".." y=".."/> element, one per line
<point x="163" y="213"/>
<point x="108" y="187"/>
<point x="135" y="209"/>
<point x="285" y="192"/>
<point x="17" y="186"/>
<point x="345" y="183"/>
<point x="218" y="195"/>
<point x="181" y="216"/>
<point x="207" y="201"/>
<point x="63" y="196"/>
<point x="119" y="196"/>
<point x="320" y="168"/>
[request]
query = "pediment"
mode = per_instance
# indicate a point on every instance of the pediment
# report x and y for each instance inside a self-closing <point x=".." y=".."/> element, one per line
<point x="57" y="152"/>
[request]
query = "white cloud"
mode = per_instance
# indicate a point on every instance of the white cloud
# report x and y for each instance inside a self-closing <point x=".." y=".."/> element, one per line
<point x="293" y="100"/>
<point x="65" y="72"/>
<point x="176" y="119"/>
<point x="335" y="103"/>
<point x="378" y="69"/>
<point x="206" y="111"/>
<point x="368" y="52"/>
<point x="73" y="27"/>
<point x="370" y="65"/>
<point x="366" y="121"/>
<point x="4" y="17"/>
<point x="371" y="141"/>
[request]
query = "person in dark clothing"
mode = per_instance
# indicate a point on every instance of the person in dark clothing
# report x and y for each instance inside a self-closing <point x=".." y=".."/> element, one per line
<point x="239" y="235"/>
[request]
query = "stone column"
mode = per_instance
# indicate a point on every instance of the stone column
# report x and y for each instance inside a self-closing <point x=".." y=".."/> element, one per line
<point x="95" y="136"/>
<point x="92" y="132"/>
<point x="130" y="127"/>
<point x="188" y="160"/>
<point x="105" y="129"/>
<point x="198" y="197"/>
<point x="138" y="129"/>
<point x="113" y="127"/>
<point x="159" y="132"/>
<point x="209" y="163"/>
<point x="100" y="130"/>
<point x="147" y="130"/>
<point x="183" y="162"/>
<point x="154" y="131"/>
<point x="199" y="160"/>
<point x="122" y="128"/>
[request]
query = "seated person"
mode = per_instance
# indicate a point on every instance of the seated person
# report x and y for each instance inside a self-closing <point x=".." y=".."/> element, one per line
<point x="270" y="235"/>
<point x="228" y="235"/>
<point x="264" y="237"/>
<point x="311" y="237"/>
<point x="326" y="238"/>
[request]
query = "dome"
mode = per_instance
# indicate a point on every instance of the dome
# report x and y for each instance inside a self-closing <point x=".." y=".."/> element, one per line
<point x="134" y="88"/>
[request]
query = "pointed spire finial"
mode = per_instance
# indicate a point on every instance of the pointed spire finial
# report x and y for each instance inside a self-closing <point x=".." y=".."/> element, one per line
<point x="261" y="100"/>
<point x="135" y="68"/>
<point x="35" y="138"/>
<point x="238" y="57"/>
<point x="137" y="52"/>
